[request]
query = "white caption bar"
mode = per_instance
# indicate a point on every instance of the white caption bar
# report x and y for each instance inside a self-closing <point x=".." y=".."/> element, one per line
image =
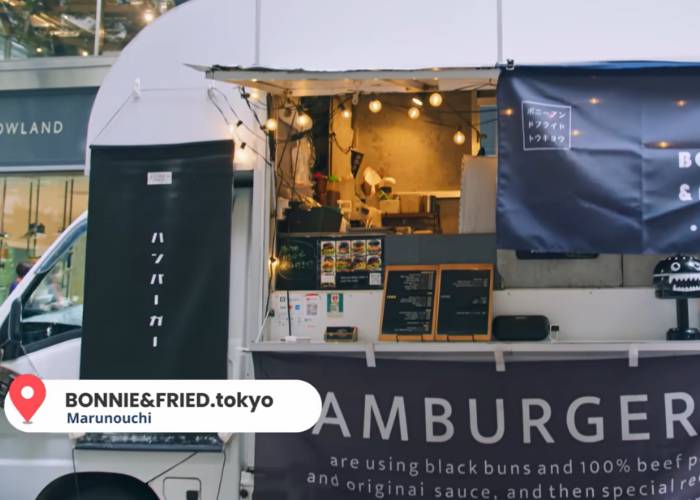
<point x="33" y="405"/>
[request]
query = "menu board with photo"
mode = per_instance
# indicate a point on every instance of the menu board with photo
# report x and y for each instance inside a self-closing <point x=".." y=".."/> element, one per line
<point x="330" y="262"/>
<point x="351" y="263"/>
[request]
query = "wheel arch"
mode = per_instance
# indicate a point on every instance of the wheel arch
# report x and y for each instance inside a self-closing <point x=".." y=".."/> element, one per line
<point x="65" y="486"/>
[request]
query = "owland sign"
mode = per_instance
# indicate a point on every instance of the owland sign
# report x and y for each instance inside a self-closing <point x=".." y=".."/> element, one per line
<point x="54" y="127"/>
<point x="44" y="128"/>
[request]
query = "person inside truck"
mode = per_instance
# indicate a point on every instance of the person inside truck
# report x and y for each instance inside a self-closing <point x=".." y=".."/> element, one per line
<point x="22" y="269"/>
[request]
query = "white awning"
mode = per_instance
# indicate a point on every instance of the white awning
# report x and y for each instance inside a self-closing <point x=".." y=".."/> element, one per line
<point x="298" y="82"/>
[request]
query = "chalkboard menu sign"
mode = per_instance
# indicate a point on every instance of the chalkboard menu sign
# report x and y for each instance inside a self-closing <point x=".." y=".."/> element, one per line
<point x="330" y="262"/>
<point x="464" y="303"/>
<point x="409" y="302"/>
<point x="296" y="264"/>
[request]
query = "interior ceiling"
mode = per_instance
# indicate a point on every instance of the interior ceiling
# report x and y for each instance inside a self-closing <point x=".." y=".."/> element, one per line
<point x="317" y="83"/>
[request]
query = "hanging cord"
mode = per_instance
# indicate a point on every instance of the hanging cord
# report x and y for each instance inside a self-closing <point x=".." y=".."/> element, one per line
<point x="114" y="115"/>
<point x="235" y="113"/>
<point x="238" y="123"/>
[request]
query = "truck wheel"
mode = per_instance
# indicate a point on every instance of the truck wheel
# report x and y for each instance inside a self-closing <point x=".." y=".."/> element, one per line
<point x="93" y="486"/>
<point x="112" y="492"/>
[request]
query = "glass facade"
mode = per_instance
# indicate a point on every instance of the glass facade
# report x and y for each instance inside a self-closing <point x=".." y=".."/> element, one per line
<point x="34" y="211"/>
<point x="42" y="28"/>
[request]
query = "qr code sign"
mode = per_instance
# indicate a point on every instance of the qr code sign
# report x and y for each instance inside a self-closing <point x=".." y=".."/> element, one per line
<point x="375" y="279"/>
<point x="546" y="126"/>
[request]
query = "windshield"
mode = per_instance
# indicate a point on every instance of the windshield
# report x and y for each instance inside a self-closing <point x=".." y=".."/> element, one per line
<point x="54" y="304"/>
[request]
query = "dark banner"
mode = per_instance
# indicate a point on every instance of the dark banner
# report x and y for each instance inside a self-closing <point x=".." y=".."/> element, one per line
<point x="157" y="269"/>
<point x="44" y="127"/>
<point x="448" y="430"/>
<point x="599" y="159"/>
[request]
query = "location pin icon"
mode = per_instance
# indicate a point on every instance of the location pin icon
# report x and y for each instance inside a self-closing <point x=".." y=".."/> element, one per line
<point x="27" y="392"/>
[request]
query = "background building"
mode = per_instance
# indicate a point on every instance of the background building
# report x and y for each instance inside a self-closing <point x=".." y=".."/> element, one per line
<point x="53" y="57"/>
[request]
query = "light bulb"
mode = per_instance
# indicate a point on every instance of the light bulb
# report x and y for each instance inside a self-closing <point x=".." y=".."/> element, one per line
<point x="303" y="121"/>
<point x="375" y="105"/>
<point x="242" y="155"/>
<point x="148" y="16"/>
<point x="416" y="101"/>
<point x="346" y="113"/>
<point x="254" y="94"/>
<point x="413" y="113"/>
<point x="84" y="53"/>
<point x="435" y="99"/>
<point x="459" y="138"/>
<point x="271" y="124"/>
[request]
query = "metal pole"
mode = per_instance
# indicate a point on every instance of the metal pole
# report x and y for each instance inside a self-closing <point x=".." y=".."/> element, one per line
<point x="29" y="213"/>
<point x="98" y="28"/>
<point x="682" y="314"/>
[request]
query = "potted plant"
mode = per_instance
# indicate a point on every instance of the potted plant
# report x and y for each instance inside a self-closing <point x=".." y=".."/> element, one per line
<point x="332" y="191"/>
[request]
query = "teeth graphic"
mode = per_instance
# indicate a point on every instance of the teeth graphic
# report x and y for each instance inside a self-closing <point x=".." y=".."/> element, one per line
<point x="686" y="288"/>
<point x="693" y="277"/>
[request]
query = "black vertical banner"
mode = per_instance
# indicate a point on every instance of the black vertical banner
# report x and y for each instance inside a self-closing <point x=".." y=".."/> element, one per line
<point x="157" y="271"/>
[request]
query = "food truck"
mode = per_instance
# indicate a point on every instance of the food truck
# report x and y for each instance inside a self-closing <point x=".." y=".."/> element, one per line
<point x="367" y="197"/>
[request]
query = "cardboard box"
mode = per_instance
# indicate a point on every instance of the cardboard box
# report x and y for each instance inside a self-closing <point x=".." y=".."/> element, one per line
<point x="390" y="206"/>
<point x="410" y="203"/>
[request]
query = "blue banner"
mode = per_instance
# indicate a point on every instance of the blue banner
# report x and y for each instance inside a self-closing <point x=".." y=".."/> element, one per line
<point x="601" y="158"/>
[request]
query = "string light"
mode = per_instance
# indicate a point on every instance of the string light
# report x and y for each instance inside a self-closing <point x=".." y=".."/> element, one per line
<point x="681" y="103"/>
<point x="375" y="105"/>
<point x="459" y="138"/>
<point x="345" y="112"/>
<point x="233" y="126"/>
<point x="84" y="53"/>
<point x="435" y="99"/>
<point x="242" y="155"/>
<point x="254" y="94"/>
<point x="303" y="121"/>
<point x="413" y="113"/>
<point x="594" y="100"/>
<point x="416" y="101"/>
<point x="271" y="124"/>
<point x="148" y="16"/>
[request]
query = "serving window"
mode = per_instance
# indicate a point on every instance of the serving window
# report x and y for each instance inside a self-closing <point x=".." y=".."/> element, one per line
<point x="390" y="163"/>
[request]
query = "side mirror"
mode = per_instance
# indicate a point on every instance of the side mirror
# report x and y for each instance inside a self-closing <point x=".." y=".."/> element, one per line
<point x="11" y="331"/>
<point x="15" y="321"/>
